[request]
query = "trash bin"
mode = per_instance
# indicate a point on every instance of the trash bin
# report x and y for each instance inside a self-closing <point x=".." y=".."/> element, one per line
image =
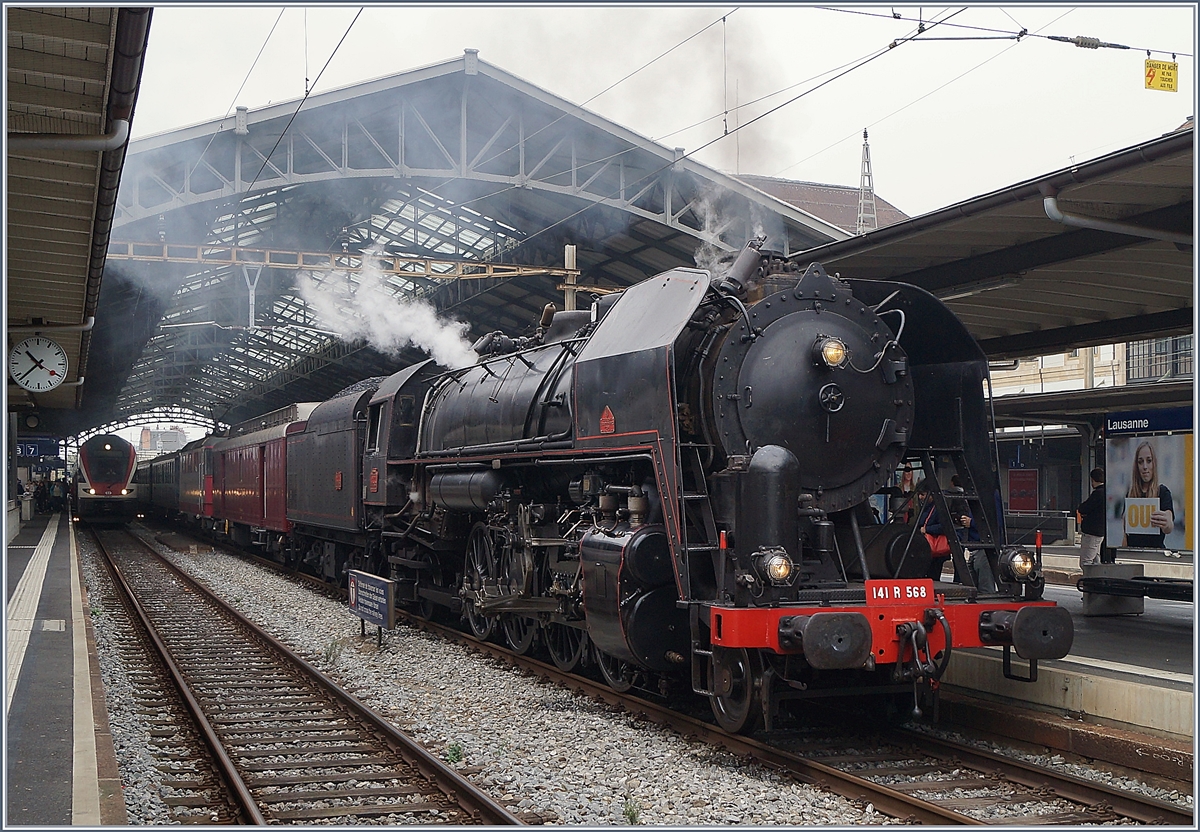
<point x="26" y="507"/>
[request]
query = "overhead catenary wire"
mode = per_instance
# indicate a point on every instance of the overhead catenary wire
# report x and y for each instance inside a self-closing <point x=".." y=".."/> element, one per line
<point x="233" y="103"/>
<point x="871" y="57"/>
<point x="917" y="100"/>
<point x="1079" y="41"/>
<point x="286" y="127"/>
<point x="578" y="108"/>
<point x="848" y="67"/>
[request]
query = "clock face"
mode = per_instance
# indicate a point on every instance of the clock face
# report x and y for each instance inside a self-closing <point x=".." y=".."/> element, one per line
<point x="38" y="364"/>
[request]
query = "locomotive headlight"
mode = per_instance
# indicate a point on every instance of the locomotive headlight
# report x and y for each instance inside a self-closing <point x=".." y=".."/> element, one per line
<point x="124" y="491"/>
<point x="1017" y="564"/>
<point x="91" y="491"/>
<point x="830" y="351"/>
<point x="776" y="566"/>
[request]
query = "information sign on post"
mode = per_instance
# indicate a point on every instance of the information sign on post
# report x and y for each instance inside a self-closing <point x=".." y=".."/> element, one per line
<point x="373" y="599"/>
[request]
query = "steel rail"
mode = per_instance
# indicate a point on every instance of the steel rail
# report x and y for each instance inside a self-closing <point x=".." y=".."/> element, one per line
<point x="472" y="799"/>
<point x="890" y="801"/>
<point x="1129" y="804"/>
<point x="237" y="786"/>
<point x="893" y="802"/>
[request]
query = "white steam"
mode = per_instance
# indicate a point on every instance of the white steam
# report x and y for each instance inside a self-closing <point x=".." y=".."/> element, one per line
<point x="366" y="310"/>
<point x="721" y="221"/>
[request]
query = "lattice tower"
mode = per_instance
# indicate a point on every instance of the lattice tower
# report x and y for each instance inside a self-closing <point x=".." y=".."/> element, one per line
<point x="867" y="220"/>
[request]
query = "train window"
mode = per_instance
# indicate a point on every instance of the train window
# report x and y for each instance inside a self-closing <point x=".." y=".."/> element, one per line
<point x="406" y="407"/>
<point x="375" y="427"/>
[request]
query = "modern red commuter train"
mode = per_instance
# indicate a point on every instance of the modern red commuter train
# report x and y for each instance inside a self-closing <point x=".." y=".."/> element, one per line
<point x="102" y="482"/>
<point x="674" y="486"/>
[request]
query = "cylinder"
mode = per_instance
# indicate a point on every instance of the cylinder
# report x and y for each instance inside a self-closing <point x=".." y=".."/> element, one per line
<point x="767" y="496"/>
<point x="465" y="490"/>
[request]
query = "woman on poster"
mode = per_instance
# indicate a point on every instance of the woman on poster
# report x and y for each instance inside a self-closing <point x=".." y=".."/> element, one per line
<point x="1144" y="484"/>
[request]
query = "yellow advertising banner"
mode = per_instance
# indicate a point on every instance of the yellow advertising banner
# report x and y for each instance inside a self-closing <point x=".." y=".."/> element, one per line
<point x="1162" y="75"/>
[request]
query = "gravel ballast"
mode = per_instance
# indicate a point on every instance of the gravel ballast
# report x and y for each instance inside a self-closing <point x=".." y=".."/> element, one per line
<point x="529" y="743"/>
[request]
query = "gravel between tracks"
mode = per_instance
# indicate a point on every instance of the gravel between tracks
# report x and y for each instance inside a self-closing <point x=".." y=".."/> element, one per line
<point x="546" y="749"/>
<point x="527" y="741"/>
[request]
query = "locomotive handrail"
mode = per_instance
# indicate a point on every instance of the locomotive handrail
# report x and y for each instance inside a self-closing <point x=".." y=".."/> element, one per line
<point x="514" y="446"/>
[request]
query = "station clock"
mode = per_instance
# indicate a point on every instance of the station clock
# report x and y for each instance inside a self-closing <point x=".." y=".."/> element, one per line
<point x="38" y="364"/>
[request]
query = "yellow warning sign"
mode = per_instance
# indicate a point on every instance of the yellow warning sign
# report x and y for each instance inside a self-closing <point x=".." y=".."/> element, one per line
<point x="1162" y="75"/>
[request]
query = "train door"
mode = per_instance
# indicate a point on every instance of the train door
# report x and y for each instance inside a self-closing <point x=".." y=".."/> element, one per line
<point x="260" y="457"/>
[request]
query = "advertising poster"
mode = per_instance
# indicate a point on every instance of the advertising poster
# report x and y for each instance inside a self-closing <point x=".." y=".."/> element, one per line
<point x="1149" y="487"/>
<point x="902" y="505"/>
<point x="1022" y="489"/>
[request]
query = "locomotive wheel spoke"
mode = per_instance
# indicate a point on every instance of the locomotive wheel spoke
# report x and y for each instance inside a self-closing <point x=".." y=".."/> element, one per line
<point x="618" y="673"/>
<point x="566" y="645"/>
<point x="520" y="632"/>
<point x="480" y="567"/>
<point x="735" y="685"/>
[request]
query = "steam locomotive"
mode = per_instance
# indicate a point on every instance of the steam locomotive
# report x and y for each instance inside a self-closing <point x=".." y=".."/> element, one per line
<point x="673" y="486"/>
<point x="102" y="488"/>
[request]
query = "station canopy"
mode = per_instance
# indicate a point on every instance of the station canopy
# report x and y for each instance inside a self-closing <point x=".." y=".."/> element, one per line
<point x="457" y="184"/>
<point x="1097" y="253"/>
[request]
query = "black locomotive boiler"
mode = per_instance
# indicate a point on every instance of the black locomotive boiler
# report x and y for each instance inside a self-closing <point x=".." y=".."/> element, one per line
<point x="676" y="484"/>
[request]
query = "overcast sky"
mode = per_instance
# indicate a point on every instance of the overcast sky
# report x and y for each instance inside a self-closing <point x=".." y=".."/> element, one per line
<point x="948" y="119"/>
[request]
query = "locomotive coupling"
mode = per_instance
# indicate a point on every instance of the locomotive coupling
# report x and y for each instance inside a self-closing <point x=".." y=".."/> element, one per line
<point x="829" y="640"/>
<point x="1042" y="632"/>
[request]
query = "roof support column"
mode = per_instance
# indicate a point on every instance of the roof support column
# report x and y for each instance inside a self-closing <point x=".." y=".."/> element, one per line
<point x="251" y="285"/>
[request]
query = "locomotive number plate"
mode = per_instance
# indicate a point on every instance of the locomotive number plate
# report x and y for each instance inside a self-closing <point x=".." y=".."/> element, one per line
<point x="890" y="593"/>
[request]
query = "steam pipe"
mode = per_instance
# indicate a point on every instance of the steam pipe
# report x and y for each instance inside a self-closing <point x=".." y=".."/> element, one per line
<point x="743" y="267"/>
<point x="1050" y="203"/>
<point x="86" y="326"/>
<point x="111" y="140"/>
<point x="858" y="544"/>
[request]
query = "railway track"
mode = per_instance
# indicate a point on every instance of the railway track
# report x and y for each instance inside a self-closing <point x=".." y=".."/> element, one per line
<point x="259" y="736"/>
<point x="905" y="774"/>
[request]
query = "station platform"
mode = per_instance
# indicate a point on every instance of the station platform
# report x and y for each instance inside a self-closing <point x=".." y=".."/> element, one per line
<point x="1133" y="672"/>
<point x="62" y="768"/>
<point x="1061" y="563"/>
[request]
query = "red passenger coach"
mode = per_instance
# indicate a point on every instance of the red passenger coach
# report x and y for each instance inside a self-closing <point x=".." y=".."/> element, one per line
<point x="251" y="487"/>
<point x="195" y="489"/>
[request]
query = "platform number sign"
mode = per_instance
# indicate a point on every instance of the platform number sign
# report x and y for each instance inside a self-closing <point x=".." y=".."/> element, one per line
<point x="1162" y="75"/>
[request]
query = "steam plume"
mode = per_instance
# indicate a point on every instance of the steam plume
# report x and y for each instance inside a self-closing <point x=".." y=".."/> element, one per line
<point x="389" y="323"/>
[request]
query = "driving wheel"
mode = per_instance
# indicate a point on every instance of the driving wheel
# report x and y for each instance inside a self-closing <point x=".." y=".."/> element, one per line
<point x="565" y="645"/>
<point x="736" y="679"/>
<point x="520" y="632"/>
<point x="479" y="568"/>
<point x="617" y="672"/>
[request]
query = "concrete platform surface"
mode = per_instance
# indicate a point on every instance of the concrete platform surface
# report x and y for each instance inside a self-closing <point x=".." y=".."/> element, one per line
<point x="61" y="764"/>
